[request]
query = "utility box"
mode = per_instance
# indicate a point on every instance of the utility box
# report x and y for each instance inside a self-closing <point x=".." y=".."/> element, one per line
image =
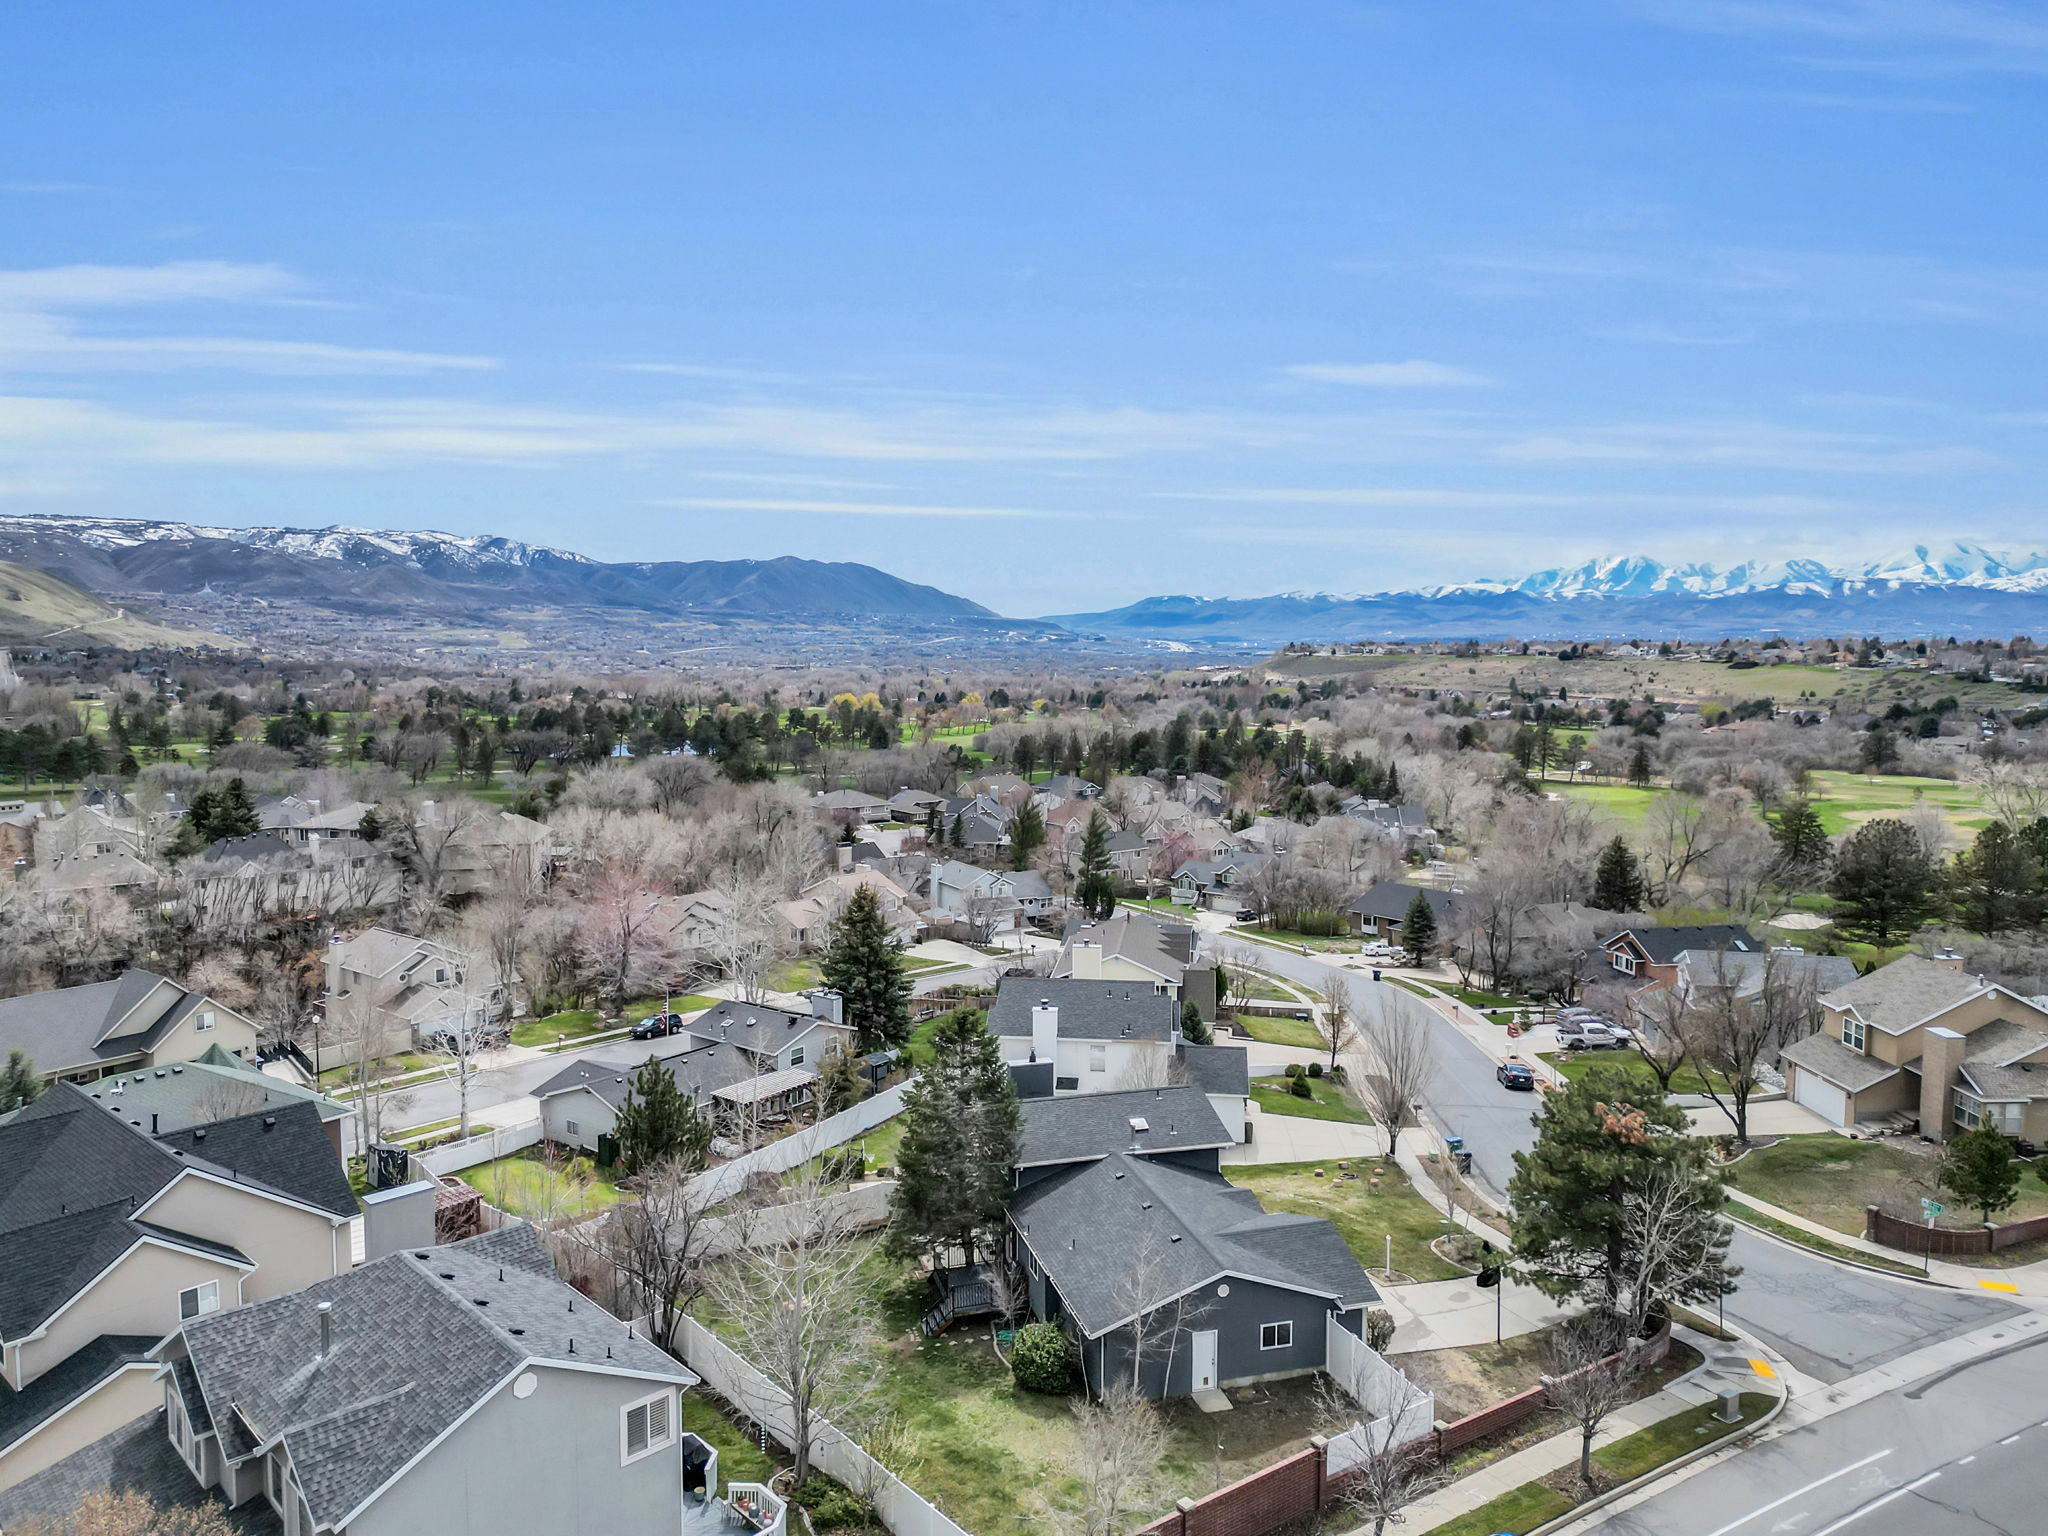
<point x="1730" y="1411"/>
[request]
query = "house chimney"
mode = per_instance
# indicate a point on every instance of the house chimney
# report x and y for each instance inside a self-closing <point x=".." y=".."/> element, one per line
<point x="1045" y="1030"/>
<point x="827" y="1005"/>
<point x="326" y="1311"/>
<point x="1949" y="959"/>
<point x="1941" y="1057"/>
<point x="1087" y="958"/>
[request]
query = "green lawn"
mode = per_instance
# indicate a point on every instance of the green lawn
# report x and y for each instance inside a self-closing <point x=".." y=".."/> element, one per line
<point x="1621" y="802"/>
<point x="1258" y="987"/>
<point x="794" y="976"/>
<point x="572" y="1023"/>
<point x="881" y="1143"/>
<point x="739" y="1453"/>
<point x="1576" y="1064"/>
<point x="1301" y="1032"/>
<point x="390" y="1066"/>
<point x="1363" y="1214"/>
<point x="1830" y="1179"/>
<point x="1347" y="943"/>
<point x="1517" y="1511"/>
<point x="526" y="1185"/>
<point x="1326" y="1101"/>
<point x="1846" y="799"/>
<point x="1473" y="997"/>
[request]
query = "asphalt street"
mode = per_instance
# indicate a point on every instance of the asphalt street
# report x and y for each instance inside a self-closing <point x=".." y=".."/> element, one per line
<point x="1964" y="1453"/>
<point x="1829" y="1321"/>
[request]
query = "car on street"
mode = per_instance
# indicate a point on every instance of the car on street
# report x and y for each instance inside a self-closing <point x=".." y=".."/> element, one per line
<point x="1516" y="1075"/>
<point x="656" y="1025"/>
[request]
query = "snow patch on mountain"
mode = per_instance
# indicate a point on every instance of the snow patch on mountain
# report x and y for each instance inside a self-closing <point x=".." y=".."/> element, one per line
<point x="339" y="542"/>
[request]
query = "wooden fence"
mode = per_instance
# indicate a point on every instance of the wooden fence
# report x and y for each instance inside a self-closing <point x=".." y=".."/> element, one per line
<point x="1917" y="1237"/>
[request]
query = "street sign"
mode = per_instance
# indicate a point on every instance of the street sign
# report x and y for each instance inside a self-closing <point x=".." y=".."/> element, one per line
<point x="1931" y="1208"/>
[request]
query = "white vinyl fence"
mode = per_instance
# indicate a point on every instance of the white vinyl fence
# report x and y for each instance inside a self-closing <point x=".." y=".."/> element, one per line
<point x="1395" y="1410"/>
<point x="793" y="1151"/>
<point x="901" y="1509"/>
<point x="863" y="1207"/>
<point x="499" y="1141"/>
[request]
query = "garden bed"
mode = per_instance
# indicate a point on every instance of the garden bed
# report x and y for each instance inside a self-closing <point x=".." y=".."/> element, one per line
<point x="1326" y="1100"/>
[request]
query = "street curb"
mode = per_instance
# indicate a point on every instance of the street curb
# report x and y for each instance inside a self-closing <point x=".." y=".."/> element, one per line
<point x="1697" y="1453"/>
<point x="1829" y="1258"/>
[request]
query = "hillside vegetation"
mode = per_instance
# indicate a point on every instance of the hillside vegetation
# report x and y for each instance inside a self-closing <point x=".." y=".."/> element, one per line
<point x="34" y="606"/>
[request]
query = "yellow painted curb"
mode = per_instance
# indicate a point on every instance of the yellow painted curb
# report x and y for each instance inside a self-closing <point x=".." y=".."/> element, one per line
<point x="1998" y="1285"/>
<point x="1763" y="1369"/>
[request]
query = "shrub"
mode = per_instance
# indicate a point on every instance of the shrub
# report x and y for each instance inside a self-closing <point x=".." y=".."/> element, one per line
<point x="1041" y="1359"/>
<point x="830" y="1506"/>
<point x="1315" y="1069"/>
<point x="1337" y="1073"/>
<point x="1298" y="1086"/>
<point x="1294" y="1069"/>
<point x="1379" y="1328"/>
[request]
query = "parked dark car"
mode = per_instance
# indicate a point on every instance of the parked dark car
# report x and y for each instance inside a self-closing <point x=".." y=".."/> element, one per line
<point x="655" y="1025"/>
<point x="1516" y="1075"/>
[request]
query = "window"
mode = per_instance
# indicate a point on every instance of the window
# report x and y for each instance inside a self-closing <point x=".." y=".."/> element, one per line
<point x="1276" y="1335"/>
<point x="646" y="1427"/>
<point x="1098" y="1058"/>
<point x="796" y="1056"/>
<point x="1973" y="1112"/>
<point x="1624" y="963"/>
<point x="275" y="1479"/>
<point x="1852" y="1032"/>
<point x="572" y="1127"/>
<point x="174" y="1415"/>
<point x="199" y="1300"/>
<point x="206" y="1021"/>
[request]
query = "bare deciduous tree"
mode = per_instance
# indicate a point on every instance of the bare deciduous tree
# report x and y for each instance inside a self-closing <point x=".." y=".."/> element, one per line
<point x="659" y="1245"/>
<point x="1333" y="1016"/>
<point x="1399" y="1055"/>
<point x="1395" y="1468"/>
<point x="1595" y="1364"/>
<point x="626" y="937"/>
<point x="1739" y="1013"/>
<point x="1122" y="1447"/>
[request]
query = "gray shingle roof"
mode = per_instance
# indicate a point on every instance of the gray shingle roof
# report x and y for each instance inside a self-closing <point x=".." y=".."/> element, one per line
<point x="21" y="1412"/>
<point x="1827" y="1057"/>
<point x="1160" y="948"/>
<point x="137" y="1456"/>
<point x="1895" y="997"/>
<point x="1665" y="945"/>
<point x="700" y="1070"/>
<point x="1391" y="899"/>
<point x="283" y="1149"/>
<point x="1089" y="1010"/>
<point x="755" y="1026"/>
<point x="73" y="1026"/>
<point x="1126" y="1235"/>
<point x="1219" y="1069"/>
<point x="1083" y="1126"/>
<point x="194" y="1092"/>
<point x="419" y="1339"/>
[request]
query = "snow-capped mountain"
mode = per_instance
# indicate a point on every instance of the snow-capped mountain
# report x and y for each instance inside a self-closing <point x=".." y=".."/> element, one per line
<point x="1953" y="589"/>
<point x="336" y="543"/>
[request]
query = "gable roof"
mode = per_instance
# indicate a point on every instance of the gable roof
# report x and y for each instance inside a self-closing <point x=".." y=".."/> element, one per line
<point x="282" y="1149"/>
<point x="1083" y="1127"/>
<point x="74" y="1026"/>
<point x="1909" y="991"/>
<point x="420" y="1339"/>
<point x="699" y="1071"/>
<point x="1825" y="1056"/>
<point x="1137" y="940"/>
<point x="1391" y="899"/>
<point x="1126" y="1235"/>
<point x="1089" y="1010"/>
<point x="754" y="1026"/>
<point x="1663" y="946"/>
<point x="137" y="1456"/>
<point x="1218" y="1069"/>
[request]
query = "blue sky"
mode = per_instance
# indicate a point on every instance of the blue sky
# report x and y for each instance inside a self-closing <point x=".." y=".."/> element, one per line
<point x="1056" y="306"/>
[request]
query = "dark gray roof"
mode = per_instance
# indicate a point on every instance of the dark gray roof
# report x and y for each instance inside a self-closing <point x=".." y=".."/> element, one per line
<point x="753" y="1025"/>
<point x="1084" y="1126"/>
<point x="254" y="845"/>
<point x="139" y="1457"/>
<point x="201" y="1092"/>
<point x="21" y="1412"/>
<point x="1825" y="1056"/>
<point x="73" y="1176"/>
<point x="1089" y="1010"/>
<point x="413" y="1352"/>
<point x="283" y="1149"/>
<point x="1103" y="1231"/>
<point x="73" y="1026"/>
<point x="1665" y="945"/>
<point x="1391" y="899"/>
<point x="699" y="1071"/>
<point x="1218" y="1069"/>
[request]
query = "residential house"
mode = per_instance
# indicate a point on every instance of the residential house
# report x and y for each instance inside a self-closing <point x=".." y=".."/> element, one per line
<point x="388" y="992"/>
<point x="773" y="1039"/>
<point x="807" y="918"/>
<point x="1218" y="884"/>
<point x="1129" y="946"/>
<point x="1651" y="955"/>
<point x="1060" y="1035"/>
<point x="1203" y="792"/>
<point x="110" y="1235"/>
<point x="266" y="875"/>
<point x="915" y="805"/>
<point x="101" y="823"/>
<point x="1062" y="787"/>
<point x="579" y="1105"/>
<point x="476" y="851"/>
<point x="1407" y="823"/>
<point x="1923" y="1040"/>
<point x="989" y="901"/>
<point x="139" y="1019"/>
<point x="213" y="1088"/>
<point x="849" y="807"/>
<point x="463" y="1390"/>
<point x="1382" y="911"/>
<point x="975" y="823"/>
<point x="303" y="822"/>
<point x="1123" y="1224"/>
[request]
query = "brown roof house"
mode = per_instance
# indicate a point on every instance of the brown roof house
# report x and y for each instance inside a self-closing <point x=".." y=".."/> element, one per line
<point x="1922" y="1039"/>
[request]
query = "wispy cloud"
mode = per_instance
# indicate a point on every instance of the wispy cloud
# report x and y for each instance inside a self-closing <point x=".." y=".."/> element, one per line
<point x="855" y="508"/>
<point x="1739" y="445"/>
<point x="1917" y="36"/>
<point x="1414" y="374"/>
<point x="1676" y="336"/>
<point x="1440" y="499"/>
<point x="1829" y="101"/>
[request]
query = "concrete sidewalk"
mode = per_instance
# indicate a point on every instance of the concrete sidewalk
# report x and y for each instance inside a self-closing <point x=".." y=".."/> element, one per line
<point x="1727" y="1365"/>
<point x="1298" y="1139"/>
<point x="2019" y="1280"/>
<point x="1456" y="1314"/>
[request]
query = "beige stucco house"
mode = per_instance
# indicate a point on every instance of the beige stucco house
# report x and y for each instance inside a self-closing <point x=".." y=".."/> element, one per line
<point x="139" y="1019"/>
<point x="1923" y="1039"/>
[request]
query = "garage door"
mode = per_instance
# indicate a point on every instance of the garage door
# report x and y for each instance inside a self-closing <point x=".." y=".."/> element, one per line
<point x="1821" y="1096"/>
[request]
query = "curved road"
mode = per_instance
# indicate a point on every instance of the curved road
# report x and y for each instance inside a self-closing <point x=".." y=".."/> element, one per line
<point x="1829" y="1320"/>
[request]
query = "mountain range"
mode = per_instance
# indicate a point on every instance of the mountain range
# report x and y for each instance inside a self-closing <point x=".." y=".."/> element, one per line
<point x="455" y="577"/>
<point x="1960" y="589"/>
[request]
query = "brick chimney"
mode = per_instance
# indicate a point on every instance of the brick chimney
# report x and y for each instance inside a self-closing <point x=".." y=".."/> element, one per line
<point x="1940" y="1055"/>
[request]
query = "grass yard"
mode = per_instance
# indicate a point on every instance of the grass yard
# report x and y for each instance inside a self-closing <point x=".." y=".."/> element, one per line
<point x="1576" y="1064"/>
<point x="1517" y="1511"/>
<point x="913" y="966"/>
<point x="1619" y="802"/>
<point x="1830" y="1179"/>
<point x="1344" y="943"/>
<point x="1365" y="1215"/>
<point x="1326" y="1100"/>
<point x="573" y="1024"/>
<point x="1473" y="997"/>
<point x="881" y="1143"/>
<point x="794" y="976"/>
<point x="1258" y="987"/>
<point x="526" y="1185"/>
<point x="725" y="1430"/>
<point x="390" y="1066"/>
<point x="1297" y="1032"/>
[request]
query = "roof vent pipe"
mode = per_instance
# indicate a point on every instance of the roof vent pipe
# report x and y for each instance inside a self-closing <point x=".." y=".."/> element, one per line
<point x="326" y="1311"/>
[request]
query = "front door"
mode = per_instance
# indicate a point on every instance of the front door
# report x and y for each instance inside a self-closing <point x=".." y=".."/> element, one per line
<point x="1205" y="1359"/>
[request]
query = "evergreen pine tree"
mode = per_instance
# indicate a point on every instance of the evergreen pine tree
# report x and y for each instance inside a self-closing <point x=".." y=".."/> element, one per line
<point x="1884" y="881"/>
<point x="1639" y="771"/>
<point x="1418" y="931"/>
<point x="1996" y="882"/>
<point x="656" y="1122"/>
<point x="1802" y="840"/>
<point x="1392" y="792"/>
<point x="1027" y="834"/>
<point x="1618" y="882"/>
<point x="863" y="966"/>
<point x="959" y="1148"/>
<point x="840" y="1084"/>
<point x="1096" y="888"/>
<point x="1193" y="1027"/>
<point x="20" y="1083"/>
<point x="1979" y="1169"/>
<point x="234" y="813"/>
